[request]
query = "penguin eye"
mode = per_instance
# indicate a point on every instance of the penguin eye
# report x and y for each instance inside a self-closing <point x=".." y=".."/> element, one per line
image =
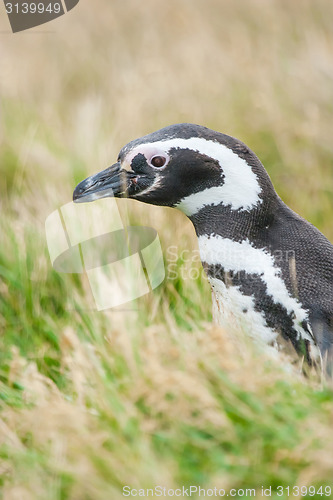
<point x="158" y="161"/>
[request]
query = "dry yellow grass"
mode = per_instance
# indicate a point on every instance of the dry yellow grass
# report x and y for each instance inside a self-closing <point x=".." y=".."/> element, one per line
<point x="174" y="381"/>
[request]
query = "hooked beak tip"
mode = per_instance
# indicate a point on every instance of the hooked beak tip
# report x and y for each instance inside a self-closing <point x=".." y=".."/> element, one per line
<point x="107" y="183"/>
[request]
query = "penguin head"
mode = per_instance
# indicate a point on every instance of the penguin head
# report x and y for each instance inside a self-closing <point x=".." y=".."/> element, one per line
<point x="185" y="166"/>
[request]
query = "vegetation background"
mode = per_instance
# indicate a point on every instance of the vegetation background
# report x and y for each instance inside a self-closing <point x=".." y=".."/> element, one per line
<point x="92" y="401"/>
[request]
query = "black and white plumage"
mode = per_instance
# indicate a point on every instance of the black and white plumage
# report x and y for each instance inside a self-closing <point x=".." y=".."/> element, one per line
<point x="268" y="268"/>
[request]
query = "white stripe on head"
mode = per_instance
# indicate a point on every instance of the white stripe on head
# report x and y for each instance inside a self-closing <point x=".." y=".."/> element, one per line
<point x="241" y="188"/>
<point x="235" y="256"/>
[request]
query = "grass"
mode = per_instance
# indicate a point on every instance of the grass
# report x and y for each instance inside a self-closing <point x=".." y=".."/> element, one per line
<point x="154" y="394"/>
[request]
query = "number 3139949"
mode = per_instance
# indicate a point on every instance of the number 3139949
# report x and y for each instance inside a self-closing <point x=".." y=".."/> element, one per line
<point x="32" y="8"/>
<point x="296" y="491"/>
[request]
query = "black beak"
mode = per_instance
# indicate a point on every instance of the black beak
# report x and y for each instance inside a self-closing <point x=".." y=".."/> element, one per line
<point x="110" y="182"/>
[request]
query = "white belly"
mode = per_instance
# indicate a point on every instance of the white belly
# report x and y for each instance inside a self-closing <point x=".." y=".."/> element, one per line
<point x="232" y="309"/>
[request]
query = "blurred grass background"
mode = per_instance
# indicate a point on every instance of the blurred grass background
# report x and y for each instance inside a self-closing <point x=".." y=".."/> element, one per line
<point x="153" y="395"/>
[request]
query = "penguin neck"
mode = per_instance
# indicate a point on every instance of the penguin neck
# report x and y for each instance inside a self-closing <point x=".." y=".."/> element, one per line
<point x="236" y="225"/>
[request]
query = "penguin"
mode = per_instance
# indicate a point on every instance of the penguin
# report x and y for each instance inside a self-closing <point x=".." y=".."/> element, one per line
<point x="269" y="269"/>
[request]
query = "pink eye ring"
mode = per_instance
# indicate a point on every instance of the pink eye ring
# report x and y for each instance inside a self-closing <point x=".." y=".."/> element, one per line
<point x="158" y="161"/>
